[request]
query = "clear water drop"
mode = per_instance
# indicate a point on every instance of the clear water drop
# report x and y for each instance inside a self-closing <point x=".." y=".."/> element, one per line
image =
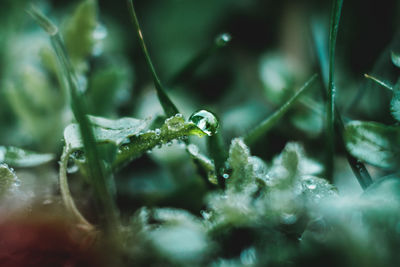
<point x="205" y="121"/>
<point x="47" y="202"/>
<point x="223" y="39"/>
<point x="17" y="182"/>
<point x="288" y="218"/>
<point x="205" y="214"/>
<point x="225" y="176"/>
<point x="157" y="131"/>
<point x="100" y="32"/>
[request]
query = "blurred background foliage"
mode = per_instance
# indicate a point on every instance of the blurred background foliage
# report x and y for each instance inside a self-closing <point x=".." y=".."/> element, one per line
<point x="272" y="52"/>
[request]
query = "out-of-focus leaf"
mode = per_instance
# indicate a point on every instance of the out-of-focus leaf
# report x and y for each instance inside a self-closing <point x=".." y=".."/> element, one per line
<point x="181" y="236"/>
<point x="276" y="76"/>
<point x="395" y="102"/>
<point x="79" y="32"/>
<point x="246" y="169"/>
<point x="7" y="179"/>
<point x="18" y="157"/>
<point x="108" y="88"/>
<point x="204" y="162"/>
<point x="285" y="167"/>
<point x="395" y="59"/>
<point x="374" y="143"/>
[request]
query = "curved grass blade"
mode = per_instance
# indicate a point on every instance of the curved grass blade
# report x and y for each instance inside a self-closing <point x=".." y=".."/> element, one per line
<point x="192" y="65"/>
<point x="169" y="107"/>
<point x="97" y="174"/>
<point x="268" y="123"/>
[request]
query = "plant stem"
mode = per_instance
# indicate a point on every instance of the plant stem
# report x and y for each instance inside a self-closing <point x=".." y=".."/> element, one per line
<point x="169" y="107"/>
<point x="66" y="194"/>
<point x="330" y="115"/>
<point x="218" y="154"/>
<point x="268" y="123"/>
<point x="98" y="176"/>
<point x="192" y="65"/>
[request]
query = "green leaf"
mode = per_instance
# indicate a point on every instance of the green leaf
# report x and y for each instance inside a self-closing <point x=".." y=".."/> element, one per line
<point x="285" y="167"/>
<point x="374" y="143"/>
<point x="7" y="179"/>
<point x="395" y="102"/>
<point x="246" y="169"/>
<point x="206" y="165"/>
<point x="395" y="59"/>
<point x="131" y="136"/>
<point x="109" y="87"/>
<point x="79" y="32"/>
<point x="99" y="177"/>
<point x="18" y="157"/>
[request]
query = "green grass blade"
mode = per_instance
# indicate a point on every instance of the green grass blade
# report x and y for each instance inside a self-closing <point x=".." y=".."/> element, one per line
<point x="219" y="154"/>
<point x="193" y="64"/>
<point x="268" y="123"/>
<point x="380" y="82"/>
<point x="97" y="173"/>
<point x="358" y="168"/>
<point x="330" y="115"/>
<point x="169" y="107"/>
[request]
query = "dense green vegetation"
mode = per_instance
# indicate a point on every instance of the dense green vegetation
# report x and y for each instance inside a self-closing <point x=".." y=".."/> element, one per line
<point x="199" y="133"/>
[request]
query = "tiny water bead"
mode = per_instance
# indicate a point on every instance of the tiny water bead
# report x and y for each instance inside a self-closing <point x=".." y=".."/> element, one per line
<point x="223" y="39"/>
<point x="205" y="121"/>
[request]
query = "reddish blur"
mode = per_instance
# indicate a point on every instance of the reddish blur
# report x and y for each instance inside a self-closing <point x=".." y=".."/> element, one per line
<point x="45" y="240"/>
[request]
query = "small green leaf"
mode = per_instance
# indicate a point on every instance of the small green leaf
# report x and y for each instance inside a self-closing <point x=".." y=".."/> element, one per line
<point x="7" y="179"/>
<point x="105" y="130"/>
<point x="18" y="157"/>
<point x="374" y="143"/>
<point x="246" y="169"/>
<point x="395" y="102"/>
<point x="207" y="166"/>
<point x="285" y="167"/>
<point x="79" y="32"/>
<point x="132" y="136"/>
<point x="395" y="59"/>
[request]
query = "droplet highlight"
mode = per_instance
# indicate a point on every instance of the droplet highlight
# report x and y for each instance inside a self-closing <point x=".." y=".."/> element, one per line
<point x="205" y="121"/>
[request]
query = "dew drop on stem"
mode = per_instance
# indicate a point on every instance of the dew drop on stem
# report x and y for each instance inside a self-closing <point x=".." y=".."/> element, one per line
<point x="205" y="121"/>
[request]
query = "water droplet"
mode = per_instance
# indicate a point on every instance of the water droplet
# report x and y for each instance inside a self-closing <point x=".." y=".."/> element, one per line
<point x="248" y="256"/>
<point x="205" y="121"/>
<point x="205" y="214"/>
<point x="223" y="39"/>
<point x="100" y="32"/>
<point x="17" y="182"/>
<point x="288" y="218"/>
<point x="47" y="202"/>
<point x="193" y="149"/>
<point x="157" y="131"/>
<point x="310" y="184"/>
<point x="225" y="176"/>
<point x="72" y="168"/>
<point x="179" y="115"/>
